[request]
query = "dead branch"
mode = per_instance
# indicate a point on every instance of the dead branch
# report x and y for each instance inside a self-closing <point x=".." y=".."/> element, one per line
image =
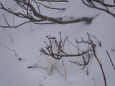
<point x="104" y="6"/>
<point x="50" y="7"/>
<point x="29" y="12"/>
<point x="95" y="55"/>
<point x="61" y="53"/>
<point x="16" y="26"/>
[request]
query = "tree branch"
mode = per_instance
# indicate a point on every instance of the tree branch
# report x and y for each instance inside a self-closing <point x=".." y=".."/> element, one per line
<point x="104" y="6"/>
<point x="30" y="13"/>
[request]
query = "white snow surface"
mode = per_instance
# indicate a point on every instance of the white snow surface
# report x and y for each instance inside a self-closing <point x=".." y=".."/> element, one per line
<point x="28" y="39"/>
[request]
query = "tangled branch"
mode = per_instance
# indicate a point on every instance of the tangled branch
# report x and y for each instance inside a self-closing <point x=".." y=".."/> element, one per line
<point x="104" y="6"/>
<point x="31" y="12"/>
<point x="58" y="51"/>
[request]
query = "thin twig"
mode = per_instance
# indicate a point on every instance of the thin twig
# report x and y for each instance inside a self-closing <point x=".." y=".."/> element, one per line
<point x="64" y="69"/>
<point x="16" y="25"/>
<point x="110" y="60"/>
<point x="94" y="80"/>
<point x="15" y="53"/>
<point x="51" y="7"/>
<point x="11" y="38"/>
<point x="104" y="7"/>
<point x="6" y="20"/>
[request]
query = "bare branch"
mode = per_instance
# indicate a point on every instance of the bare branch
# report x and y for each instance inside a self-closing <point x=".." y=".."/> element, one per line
<point x="105" y="7"/>
<point x="101" y="67"/>
<point x="60" y="52"/>
<point x="85" y="62"/>
<point x="29" y="12"/>
<point x="50" y="7"/>
<point x="16" y="25"/>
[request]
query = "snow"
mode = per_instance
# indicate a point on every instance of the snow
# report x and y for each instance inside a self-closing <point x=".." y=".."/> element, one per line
<point x="28" y="39"/>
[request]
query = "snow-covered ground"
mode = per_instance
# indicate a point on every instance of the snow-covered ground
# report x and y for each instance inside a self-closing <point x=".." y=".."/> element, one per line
<point x="25" y="42"/>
